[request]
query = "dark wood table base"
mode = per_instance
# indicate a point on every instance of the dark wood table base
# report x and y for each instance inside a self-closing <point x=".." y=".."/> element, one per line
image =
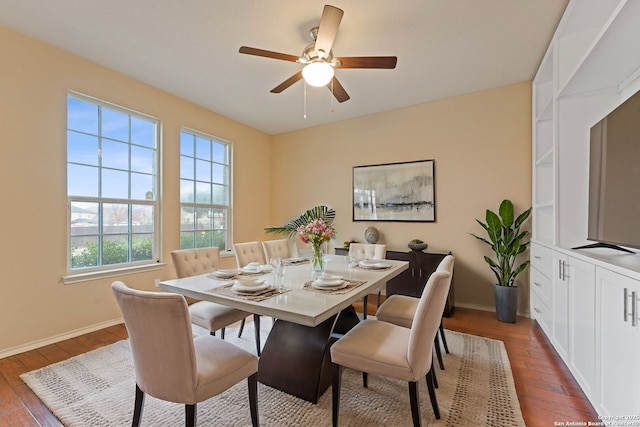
<point x="296" y="359"/>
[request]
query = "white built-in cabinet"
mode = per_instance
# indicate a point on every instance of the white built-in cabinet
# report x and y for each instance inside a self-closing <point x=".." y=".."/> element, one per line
<point x="586" y="301"/>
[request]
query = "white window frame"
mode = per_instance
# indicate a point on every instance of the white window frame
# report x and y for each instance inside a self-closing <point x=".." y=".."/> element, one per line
<point x="228" y="207"/>
<point x="88" y="273"/>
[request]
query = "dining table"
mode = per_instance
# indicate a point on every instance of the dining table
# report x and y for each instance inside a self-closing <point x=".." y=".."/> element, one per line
<point x="308" y="316"/>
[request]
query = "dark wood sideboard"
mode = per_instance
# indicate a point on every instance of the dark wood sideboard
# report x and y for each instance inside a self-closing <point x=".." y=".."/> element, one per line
<point x="411" y="282"/>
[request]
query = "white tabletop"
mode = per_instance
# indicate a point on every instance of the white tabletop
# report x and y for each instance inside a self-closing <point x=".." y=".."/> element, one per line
<point x="299" y="305"/>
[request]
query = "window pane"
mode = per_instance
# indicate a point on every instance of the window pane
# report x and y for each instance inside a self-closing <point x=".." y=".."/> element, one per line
<point x="186" y="191"/>
<point x="142" y="218"/>
<point x="219" y="153"/>
<point x="219" y="219"/>
<point x="115" y="125"/>
<point x="219" y="194"/>
<point x="82" y="181"/>
<point x="84" y="219"/>
<point x="82" y="116"/>
<point x="186" y="219"/>
<point x="204" y="239"/>
<point x="115" y="218"/>
<point x="219" y="174"/>
<point x="115" y="249"/>
<point x="219" y="239"/>
<point x="141" y="247"/>
<point x="115" y="184"/>
<point x="142" y="159"/>
<point x="141" y="187"/>
<point x="203" y="171"/>
<point x="203" y="148"/>
<point x="203" y="193"/>
<point x="143" y="132"/>
<point x="186" y="144"/>
<point x="205" y="219"/>
<point x="187" y="240"/>
<point x="82" y="148"/>
<point x="186" y="167"/>
<point x="115" y="154"/>
<point x="84" y="251"/>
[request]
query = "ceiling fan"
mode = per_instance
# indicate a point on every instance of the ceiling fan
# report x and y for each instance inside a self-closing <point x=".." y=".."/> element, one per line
<point x="318" y="60"/>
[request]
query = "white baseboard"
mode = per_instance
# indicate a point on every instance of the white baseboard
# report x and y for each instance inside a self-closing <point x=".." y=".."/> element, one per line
<point x="57" y="338"/>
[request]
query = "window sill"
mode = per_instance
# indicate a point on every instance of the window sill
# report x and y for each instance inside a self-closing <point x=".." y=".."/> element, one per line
<point x="94" y="275"/>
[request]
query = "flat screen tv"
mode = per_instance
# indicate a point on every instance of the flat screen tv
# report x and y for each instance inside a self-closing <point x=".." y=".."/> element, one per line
<point x="614" y="178"/>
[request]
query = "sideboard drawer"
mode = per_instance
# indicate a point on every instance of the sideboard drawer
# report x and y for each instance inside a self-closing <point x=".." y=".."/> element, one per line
<point x="541" y="285"/>
<point x="541" y="259"/>
<point x="541" y="312"/>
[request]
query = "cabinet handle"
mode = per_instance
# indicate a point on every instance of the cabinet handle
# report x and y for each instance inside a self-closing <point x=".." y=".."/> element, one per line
<point x="634" y="307"/>
<point x="413" y="272"/>
<point x="626" y="306"/>
<point x="537" y="310"/>
<point x="537" y="284"/>
<point x="537" y="257"/>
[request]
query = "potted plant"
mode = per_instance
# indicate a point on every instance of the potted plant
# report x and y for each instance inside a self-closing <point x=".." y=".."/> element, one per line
<point x="507" y="242"/>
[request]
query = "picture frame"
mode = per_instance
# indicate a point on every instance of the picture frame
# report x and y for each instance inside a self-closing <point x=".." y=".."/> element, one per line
<point x="402" y="192"/>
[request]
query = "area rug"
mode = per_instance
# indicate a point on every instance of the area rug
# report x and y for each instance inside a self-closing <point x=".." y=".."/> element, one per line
<point x="475" y="389"/>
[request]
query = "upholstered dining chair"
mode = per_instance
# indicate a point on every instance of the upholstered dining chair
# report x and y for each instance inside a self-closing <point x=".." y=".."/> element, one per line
<point x="276" y="249"/>
<point x="173" y="366"/>
<point x="400" y="310"/>
<point x="385" y="349"/>
<point x="208" y="315"/>
<point x="248" y="252"/>
<point x="362" y="251"/>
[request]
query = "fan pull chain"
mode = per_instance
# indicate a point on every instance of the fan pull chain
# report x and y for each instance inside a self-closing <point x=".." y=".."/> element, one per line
<point x="304" y="114"/>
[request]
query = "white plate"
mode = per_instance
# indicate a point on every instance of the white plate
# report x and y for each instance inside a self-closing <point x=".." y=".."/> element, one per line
<point x="341" y="285"/>
<point x="252" y="269"/>
<point x="294" y="260"/>
<point x="320" y="283"/>
<point x="225" y="274"/>
<point x="373" y="264"/>
<point x="249" y="280"/>
<point x="250" y="289"/>
<point x="325" y="277"/>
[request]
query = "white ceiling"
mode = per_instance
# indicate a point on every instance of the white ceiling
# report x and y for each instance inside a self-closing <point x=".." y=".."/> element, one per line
<point x="190" y="48"/>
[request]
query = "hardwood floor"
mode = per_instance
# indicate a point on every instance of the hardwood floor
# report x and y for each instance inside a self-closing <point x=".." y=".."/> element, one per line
<point x="546" y="390"/>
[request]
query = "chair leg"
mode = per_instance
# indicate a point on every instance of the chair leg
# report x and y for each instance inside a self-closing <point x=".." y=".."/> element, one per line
<point x="256" y="326"/>
<point x="432" y="394"/>
<point x="433" y="374"/>
<point x="436" y="343"/>
<point x="414" y="398"/>
<point x="365" y="380"/>
<point x="138" y="406"/>
<point x="222" y="333"/>
<point x="444" y="338"/>
<point x="253" y="399"/>
<point x="212" y="333"/>
<point x="379" y="293"/>
<point x="241" y="328"/>
<point x="365" y="300"/>
<point x="190" y="415"/>
<point x="336" y="377"/>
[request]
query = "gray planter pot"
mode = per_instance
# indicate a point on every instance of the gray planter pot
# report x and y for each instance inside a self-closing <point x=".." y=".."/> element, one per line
<point x="506" y="303"/>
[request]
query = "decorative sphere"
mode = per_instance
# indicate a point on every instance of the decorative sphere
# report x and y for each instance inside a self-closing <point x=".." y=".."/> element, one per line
<point x="372" y="235"/>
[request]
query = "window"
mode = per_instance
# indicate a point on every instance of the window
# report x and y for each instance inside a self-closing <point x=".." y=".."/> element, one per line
<point x="204" y="191"/>
<point x="112" y="186"/>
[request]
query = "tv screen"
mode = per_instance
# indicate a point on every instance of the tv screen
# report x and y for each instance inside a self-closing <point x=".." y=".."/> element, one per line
<point x="614" y="177"/>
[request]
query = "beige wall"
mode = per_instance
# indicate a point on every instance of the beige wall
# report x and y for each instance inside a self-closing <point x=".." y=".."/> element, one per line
<point x="481" y="144"/>
<point x="34" y="80"/>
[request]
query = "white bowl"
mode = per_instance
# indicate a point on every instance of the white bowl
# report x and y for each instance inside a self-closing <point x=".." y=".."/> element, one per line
<point x="250" y="281"/>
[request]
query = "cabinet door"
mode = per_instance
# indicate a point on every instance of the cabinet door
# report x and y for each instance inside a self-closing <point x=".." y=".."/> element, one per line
<point x="582" y="320"/>
<point x="404" y="283"/>
<point x="560" y="304"/>
<point x="425" y="265"/>
<point x="620" y="344"/>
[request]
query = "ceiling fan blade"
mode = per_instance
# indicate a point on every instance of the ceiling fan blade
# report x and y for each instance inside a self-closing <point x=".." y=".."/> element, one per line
<point x="268" y="54"/>
<point x="285" y="84"/>
<point x="338" y="91"/>
<point x="329" y="23"/>
<point x="388" y="62"/>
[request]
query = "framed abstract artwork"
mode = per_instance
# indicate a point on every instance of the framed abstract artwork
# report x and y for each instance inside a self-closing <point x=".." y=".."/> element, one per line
<point x="395" y="192"/>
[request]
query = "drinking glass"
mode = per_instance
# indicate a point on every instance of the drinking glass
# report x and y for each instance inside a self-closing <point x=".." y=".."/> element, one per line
<point x="278" y="269"/>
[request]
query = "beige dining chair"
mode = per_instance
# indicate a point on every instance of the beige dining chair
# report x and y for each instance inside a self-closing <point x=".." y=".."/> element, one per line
<point x="209" y="315"/>
<point x="362" y="251"/>
<point x="173" y="366"/>
<point x="248" y="252"/>
<point x="400" y="309"/>
<point x="385" y="349"/>
<point x="276" y="249"/>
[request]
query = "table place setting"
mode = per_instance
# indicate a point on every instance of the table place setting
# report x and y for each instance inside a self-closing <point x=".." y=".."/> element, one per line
<point x="373" y="264"/>
<point x="331" y="284"/>
<point x="295" y="260"/>
<point x="250" y="288"/>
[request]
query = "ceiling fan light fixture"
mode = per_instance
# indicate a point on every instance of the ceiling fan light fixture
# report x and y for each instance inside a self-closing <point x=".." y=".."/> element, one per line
<point x="318" y="73"/>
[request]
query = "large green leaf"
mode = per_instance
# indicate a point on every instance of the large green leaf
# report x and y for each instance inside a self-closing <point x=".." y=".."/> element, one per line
<point x="322" y="212"/>
<point x="506" y="212"/>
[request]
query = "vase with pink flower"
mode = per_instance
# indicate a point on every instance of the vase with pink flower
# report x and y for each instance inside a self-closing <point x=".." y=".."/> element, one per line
<point x="316" y="233"/>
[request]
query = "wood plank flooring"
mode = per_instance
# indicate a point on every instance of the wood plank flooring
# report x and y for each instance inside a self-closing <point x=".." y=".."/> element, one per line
<point x="546" y="390"/>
